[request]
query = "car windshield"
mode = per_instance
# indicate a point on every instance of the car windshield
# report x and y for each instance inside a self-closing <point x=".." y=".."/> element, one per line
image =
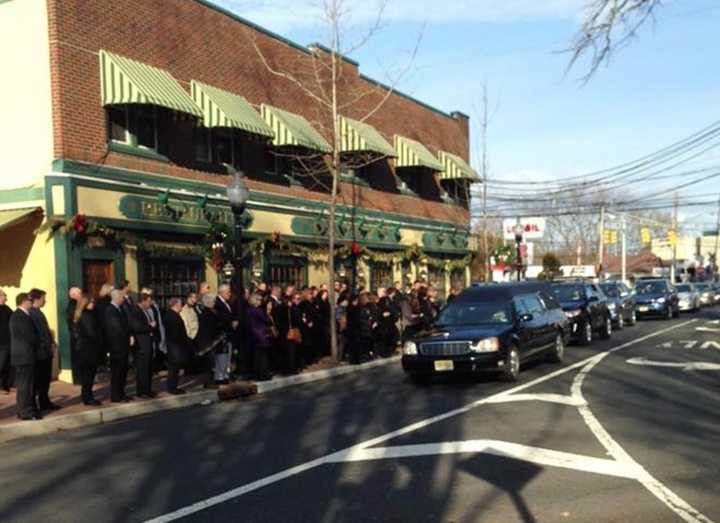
<point x="702" y="287"/>
<point x="464" y="314"/>
<point x="569" y="293"/>
<point x="609" y="289"/>
<point x="684" y="288"/>
<point x="651" y="287"/>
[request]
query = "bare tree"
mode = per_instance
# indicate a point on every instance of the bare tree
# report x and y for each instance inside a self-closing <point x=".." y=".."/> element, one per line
<point x="324" y="78"/>
<point x="607" y="26"/>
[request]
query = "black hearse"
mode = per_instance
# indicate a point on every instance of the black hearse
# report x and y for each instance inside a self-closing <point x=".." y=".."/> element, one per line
<point x="489" y="328"/>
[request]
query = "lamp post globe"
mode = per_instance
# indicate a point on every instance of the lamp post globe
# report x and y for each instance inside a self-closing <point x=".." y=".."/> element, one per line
<point x="238" y="195"/>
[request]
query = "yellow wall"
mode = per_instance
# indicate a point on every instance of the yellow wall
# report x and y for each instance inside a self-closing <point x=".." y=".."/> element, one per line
<point x="26" y="262"/>
<point x="317" y="274"/>
<point x="26" y="130"/>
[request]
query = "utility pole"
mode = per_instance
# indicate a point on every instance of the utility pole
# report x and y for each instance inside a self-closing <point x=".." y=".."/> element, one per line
<point x="601" y="241"/>
<point x="717" y="239"/>
<point x="674" y="245"/>
<point x="624" y="247"/>
<point x="483" y="130"/>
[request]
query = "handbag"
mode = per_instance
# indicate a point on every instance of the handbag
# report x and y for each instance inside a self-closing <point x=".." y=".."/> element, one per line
<point x="293" y="334"/>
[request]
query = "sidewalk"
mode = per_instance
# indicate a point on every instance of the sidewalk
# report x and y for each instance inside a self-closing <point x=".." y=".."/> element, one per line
<point x="74" y="414"/>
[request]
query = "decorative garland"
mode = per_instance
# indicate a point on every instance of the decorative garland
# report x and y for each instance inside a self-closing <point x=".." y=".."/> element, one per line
<point x="217" y="244"/>
<point x="504" y="255"/>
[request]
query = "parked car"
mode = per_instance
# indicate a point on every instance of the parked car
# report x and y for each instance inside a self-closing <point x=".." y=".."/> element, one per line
<point x="707" y="294"/>
<point x="688" y="297"/>
<point x="656" y="298"/>
<point x="621" y="303"/>
<point x="716" y="288"/>
<point x="489" y="328"/>
<point x="586" y="307"/>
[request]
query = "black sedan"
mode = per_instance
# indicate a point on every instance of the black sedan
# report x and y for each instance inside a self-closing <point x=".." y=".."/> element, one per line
<point x="586" y="307"/>
<point x="488" y="328"/>
<point x="656" y="298"/>
<point x="621" y="303"/>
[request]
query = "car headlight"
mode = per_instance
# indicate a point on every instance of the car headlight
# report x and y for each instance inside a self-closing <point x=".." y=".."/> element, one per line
<point x="660" y="300"/>
<point x="410" y="348"/>
<point x="486" y="345"/>
<point x="612" y="306"/>
<point x="573" y="314"/>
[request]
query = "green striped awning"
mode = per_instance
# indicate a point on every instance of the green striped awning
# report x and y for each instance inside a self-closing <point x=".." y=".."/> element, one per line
<point x="11" y="217"/>
<point x="361" y="137"/>
<point x="224" y="109"/>
<point x="125" y="81"/>
<point x="455" y="168"/>
<point x="414" y="154"/>
<point x="293" y="129"/>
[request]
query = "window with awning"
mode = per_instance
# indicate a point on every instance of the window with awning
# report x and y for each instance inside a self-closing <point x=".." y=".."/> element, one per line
<point x="455" y="168"/>
<point x="293" y="130"/>
<point x="358" y="136"/>
<point x="411" y="153"/>
<point x="222" y="108"/>
<point x="126" y="81"/>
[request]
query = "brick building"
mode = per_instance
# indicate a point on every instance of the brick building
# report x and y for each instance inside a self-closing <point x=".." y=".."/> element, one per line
<point x="123" y="119"/>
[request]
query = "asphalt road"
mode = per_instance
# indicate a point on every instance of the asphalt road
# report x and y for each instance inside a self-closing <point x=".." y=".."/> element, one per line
<point x="598" y="439"/>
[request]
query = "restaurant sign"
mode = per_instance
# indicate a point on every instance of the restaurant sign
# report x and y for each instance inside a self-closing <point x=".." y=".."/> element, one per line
<point x="177" y="211"/>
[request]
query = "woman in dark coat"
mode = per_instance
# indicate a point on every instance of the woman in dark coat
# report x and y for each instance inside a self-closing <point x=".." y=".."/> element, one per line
<point x="322" y="304"/>
<point x="259" y="336"/>
<point x="387" y="328"/>
<point x="208" y="332"/>
<point x="89" y="346"/>
<point x="293" y="348"/>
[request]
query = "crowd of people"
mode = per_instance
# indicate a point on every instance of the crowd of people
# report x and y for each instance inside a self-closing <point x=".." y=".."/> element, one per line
<point x="269" y="330"/>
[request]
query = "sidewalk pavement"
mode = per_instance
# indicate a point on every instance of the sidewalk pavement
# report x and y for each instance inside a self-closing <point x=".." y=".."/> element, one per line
<point x="75" y="415"/>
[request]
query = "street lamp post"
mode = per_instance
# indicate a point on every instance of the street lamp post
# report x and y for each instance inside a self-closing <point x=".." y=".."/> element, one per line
<point x="518" y="230"/>
<point x="238" y="195"/>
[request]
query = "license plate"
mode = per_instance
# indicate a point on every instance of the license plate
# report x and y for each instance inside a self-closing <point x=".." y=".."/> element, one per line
<point x="643" y="308"/>
<point x="444" y="365"/>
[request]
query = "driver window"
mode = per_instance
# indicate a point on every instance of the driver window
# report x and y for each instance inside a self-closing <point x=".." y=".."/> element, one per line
<point x="520" y="307"/>
<point x="533" y="305"/>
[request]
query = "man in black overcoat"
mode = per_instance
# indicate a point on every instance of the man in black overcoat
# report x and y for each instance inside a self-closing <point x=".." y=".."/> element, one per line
<point x="178" y="344"/>
<point x="142" y="325"/>
<point x="24" y="344"/>
<point x="119" y="340"/>
<point x="44" y="355"/>
<point x="5" y="370"/>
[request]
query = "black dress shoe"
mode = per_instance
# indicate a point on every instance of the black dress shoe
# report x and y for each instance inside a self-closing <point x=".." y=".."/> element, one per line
<point x="50" y="406"/>
<point x="26" y="418"/>
<point x="92" y="403"/>
<point x="177" y="392"/>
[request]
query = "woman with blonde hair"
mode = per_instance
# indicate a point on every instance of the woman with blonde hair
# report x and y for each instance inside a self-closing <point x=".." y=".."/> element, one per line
<point x="101" y="304"/>
<point x="89" y="342"/>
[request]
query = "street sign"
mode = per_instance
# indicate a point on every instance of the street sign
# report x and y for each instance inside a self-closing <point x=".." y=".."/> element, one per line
<point x="533" y="228"/>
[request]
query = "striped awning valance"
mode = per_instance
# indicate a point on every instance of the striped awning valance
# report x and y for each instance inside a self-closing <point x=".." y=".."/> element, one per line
<point x="361" y="137"/>
<point x="291" y="129"/>
<point x="414" y="154"/>
<point x="224" y="109"/>
<point x="126" y="81"/>
<point x="455" y="168"/>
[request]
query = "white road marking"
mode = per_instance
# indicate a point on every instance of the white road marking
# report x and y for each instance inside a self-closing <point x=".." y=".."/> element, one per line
<point x="660" y="491"/>
<point x="292" y="471"/>
<point x="688" y="344"/>
<point x="706" y="329"/>
<point x="562" y="399"/>
<point x="537" y="455"/>
<point x="685" y="365"/>
<point x="666" y="345"/>
<point x="710" y="345"/>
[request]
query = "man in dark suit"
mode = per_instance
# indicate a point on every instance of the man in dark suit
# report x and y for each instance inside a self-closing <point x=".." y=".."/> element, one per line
<point x="74" y="295"/>
<point x="5" y="313"/>
<point x="119" y="339"/>
<point x="227" y="324"/>
<point x="280" y="315"/>
<point x="24" y="343"/>
<point x="44" y="359"/>
<point x="178" y="344"/>
<point x="143" y="326"/>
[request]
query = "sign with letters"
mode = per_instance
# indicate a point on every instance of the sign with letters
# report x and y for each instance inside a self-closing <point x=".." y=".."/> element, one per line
<point x="533" y="228"/>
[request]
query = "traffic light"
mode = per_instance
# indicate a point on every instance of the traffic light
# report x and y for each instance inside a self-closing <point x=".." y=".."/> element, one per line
<point x="610" y="237"/>
<point x="645" y="235"/>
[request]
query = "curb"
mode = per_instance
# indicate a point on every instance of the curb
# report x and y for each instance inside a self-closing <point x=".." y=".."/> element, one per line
<point x="24" y="429"/>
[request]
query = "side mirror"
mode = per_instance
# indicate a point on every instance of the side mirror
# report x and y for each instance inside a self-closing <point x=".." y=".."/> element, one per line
<point x="524" y="318"/>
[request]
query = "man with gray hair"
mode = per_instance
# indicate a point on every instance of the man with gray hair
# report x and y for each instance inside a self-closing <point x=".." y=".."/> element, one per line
<point x="227" y="324"/>
<point x="119" y="341"/>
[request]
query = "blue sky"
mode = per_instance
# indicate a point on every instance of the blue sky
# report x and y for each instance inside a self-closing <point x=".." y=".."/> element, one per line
<point x="661" y="88"/>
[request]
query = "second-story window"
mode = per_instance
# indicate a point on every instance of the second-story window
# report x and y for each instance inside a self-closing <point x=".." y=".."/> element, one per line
<point x="216" y="146"/>
<point x="222" y="146"/>
<point x="135" y="125"/>
<point x="202" y="144"/>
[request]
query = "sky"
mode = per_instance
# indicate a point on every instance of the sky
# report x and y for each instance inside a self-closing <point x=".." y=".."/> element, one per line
<point x="546" y="123"/>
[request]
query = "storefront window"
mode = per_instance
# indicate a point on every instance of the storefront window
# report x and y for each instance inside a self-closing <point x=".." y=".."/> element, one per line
<point x="436" y="278"/>
<point x="288" y="270"/>
<point x="406" y="274"/>
<point x="169" y="278"/>
<point x="381" y="275"/>
<point x="457" y="279"/>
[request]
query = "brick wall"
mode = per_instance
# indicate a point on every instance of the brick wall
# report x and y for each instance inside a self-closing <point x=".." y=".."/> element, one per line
<point x="194" y="41"/>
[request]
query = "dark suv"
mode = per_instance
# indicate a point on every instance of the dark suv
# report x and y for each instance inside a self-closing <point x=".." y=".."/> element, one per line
<point x="656" y="298"/>
<point x="586" y="307"/>
<point x="621" y="303"/>
<point x="489" y="328"/>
